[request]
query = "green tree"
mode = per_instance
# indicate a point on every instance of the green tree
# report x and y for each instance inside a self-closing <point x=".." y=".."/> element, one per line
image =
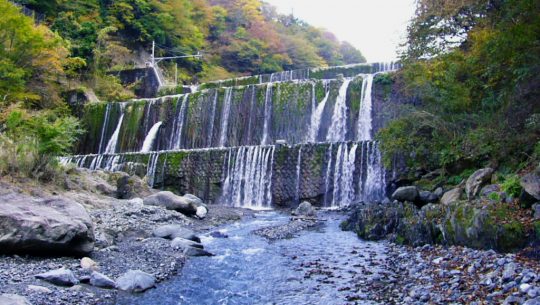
<point x="31" y="59"/>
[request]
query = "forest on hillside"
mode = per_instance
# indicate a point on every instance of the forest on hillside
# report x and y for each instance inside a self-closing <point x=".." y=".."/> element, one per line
<point x="475" y="67"/>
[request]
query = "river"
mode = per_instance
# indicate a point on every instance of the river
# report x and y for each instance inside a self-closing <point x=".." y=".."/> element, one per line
<point x="318" y="266"/>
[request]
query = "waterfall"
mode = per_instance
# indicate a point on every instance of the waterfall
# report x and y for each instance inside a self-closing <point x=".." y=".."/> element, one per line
<point x="111" y="146"/>
<point x="375" y="182"/>
<point x="225" y="117"/>
<point x="364" y="116"/>
<point x="327" y="176"/>
<point x="298" y="177"/>
<point x="338" y="129"/>
<point x="176" y="137"/>
<point x="316" y="116"/>
<point x="247" y="115"/>
<point x="249" y="177"/>
<point x="151" y="137"/>
<point x="267" y="113"/>
<point x="151" y="168"/>
<point x="251" y="111"/>
<point x="105" y="125"/>
<point x="146" y="117"/>
<point x="212" y="119"/>
<point x="344" y="190"/>
<point x="112" y="163"/>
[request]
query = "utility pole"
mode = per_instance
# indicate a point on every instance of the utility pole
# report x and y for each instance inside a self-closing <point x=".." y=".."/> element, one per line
<point x="153" y="56"/>
<point x="155" y="60"/>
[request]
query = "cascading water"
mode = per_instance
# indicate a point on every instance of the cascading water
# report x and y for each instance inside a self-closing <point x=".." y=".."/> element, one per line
<point x="316" y="119"/>
<point x="298" y="177"/>
<point x="375" y="183"/>
<point x="327" y="175"/>
<point x="212" y="118"/>
<point x="111" y="146"/>
<point x="267" y="114"/>
<point x="151" y="137"/>
<point x="225" y="117"/>
<point x="249" y="177"/>
<point x="151" y="168"/>
<point x="344" y="190"/>
<point x="254" y="114"/>
<point x="338" y="129"/>
<point x="176" y="137"/>
<point x="364" y="117"/>
<point x="105" y="125"/>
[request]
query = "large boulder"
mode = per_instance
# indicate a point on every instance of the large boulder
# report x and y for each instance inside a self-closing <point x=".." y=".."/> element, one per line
<point x="135" y="281"/>
<point x="44" y="226"/>
<point x="61" y="277"/>
<point x="476" y="181"/>
<point x="452" y="195"/>
<point x="170" y="201"/>
<point x="305" y="209"/>
<point x="460" y="223"/>
<point x="531" y="185"/>
<point x="406" y="193"/>
<point x="175" y="231"/>
<point x="192" y="199"/>
<point x="13" y="299"/>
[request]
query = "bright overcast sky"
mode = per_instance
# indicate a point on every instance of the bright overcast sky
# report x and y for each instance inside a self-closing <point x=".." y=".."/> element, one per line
<point x="375" y="27"/>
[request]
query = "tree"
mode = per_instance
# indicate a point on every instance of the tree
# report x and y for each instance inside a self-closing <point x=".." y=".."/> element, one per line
<point x="31" y="59"/>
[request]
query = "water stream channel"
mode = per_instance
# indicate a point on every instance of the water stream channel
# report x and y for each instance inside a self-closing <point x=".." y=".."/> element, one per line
<point x="318" y="266"/>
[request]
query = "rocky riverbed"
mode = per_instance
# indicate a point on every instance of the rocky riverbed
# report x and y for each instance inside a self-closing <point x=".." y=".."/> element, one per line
<point x="125" y="239"/>
<point x="312" y="260"/>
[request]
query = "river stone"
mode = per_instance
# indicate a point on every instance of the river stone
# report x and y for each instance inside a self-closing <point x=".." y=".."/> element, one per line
<point x="426" y="197"/>
<point x="181" y="243"/>
<point x="60" y="277"/>
<point x="171" y="201"/>
<point x="129" y="187"/>
<point x="535" y="301"/>
<point x="476" y="181"/>
<point x="509" y="272"/>
<point x="38" y="289"/>
<point x="100" y="280"/>
<point x="452" y="196"/>
<point x="305" y="209"/>
<point x="536" y="211"/>
<point x="191" y="251"/>
<point x="439" y="192"/>
<point x="135" y="281"/>
<point x="531" y="183"/>
<point x="406" y="193"/>
<point x="175" y="231"/>
<point x="45" y="226"/>
<point x="201" y="212"/>
<point x="13" y="299"/>
<point x="88" y="264"/>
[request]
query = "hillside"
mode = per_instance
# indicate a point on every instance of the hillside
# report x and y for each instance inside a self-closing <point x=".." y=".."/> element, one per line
<point x="237" y="37"/>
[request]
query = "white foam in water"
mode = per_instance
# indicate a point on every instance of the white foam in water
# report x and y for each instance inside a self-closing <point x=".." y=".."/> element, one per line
<point x="252" y="251"/>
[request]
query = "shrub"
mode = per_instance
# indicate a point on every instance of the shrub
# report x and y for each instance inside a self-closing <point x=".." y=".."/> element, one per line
<point x="511" y="186"/>
<point x="31" y="141"/>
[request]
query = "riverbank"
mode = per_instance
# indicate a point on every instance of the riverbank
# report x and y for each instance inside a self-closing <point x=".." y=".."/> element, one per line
<point x="124" y="240"/>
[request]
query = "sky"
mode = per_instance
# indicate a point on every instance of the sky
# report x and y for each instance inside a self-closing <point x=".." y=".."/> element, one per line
<point x="375" y="27"/>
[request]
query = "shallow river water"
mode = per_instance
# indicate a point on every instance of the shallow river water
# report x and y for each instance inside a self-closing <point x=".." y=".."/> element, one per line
<point x="318" y="266"/>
